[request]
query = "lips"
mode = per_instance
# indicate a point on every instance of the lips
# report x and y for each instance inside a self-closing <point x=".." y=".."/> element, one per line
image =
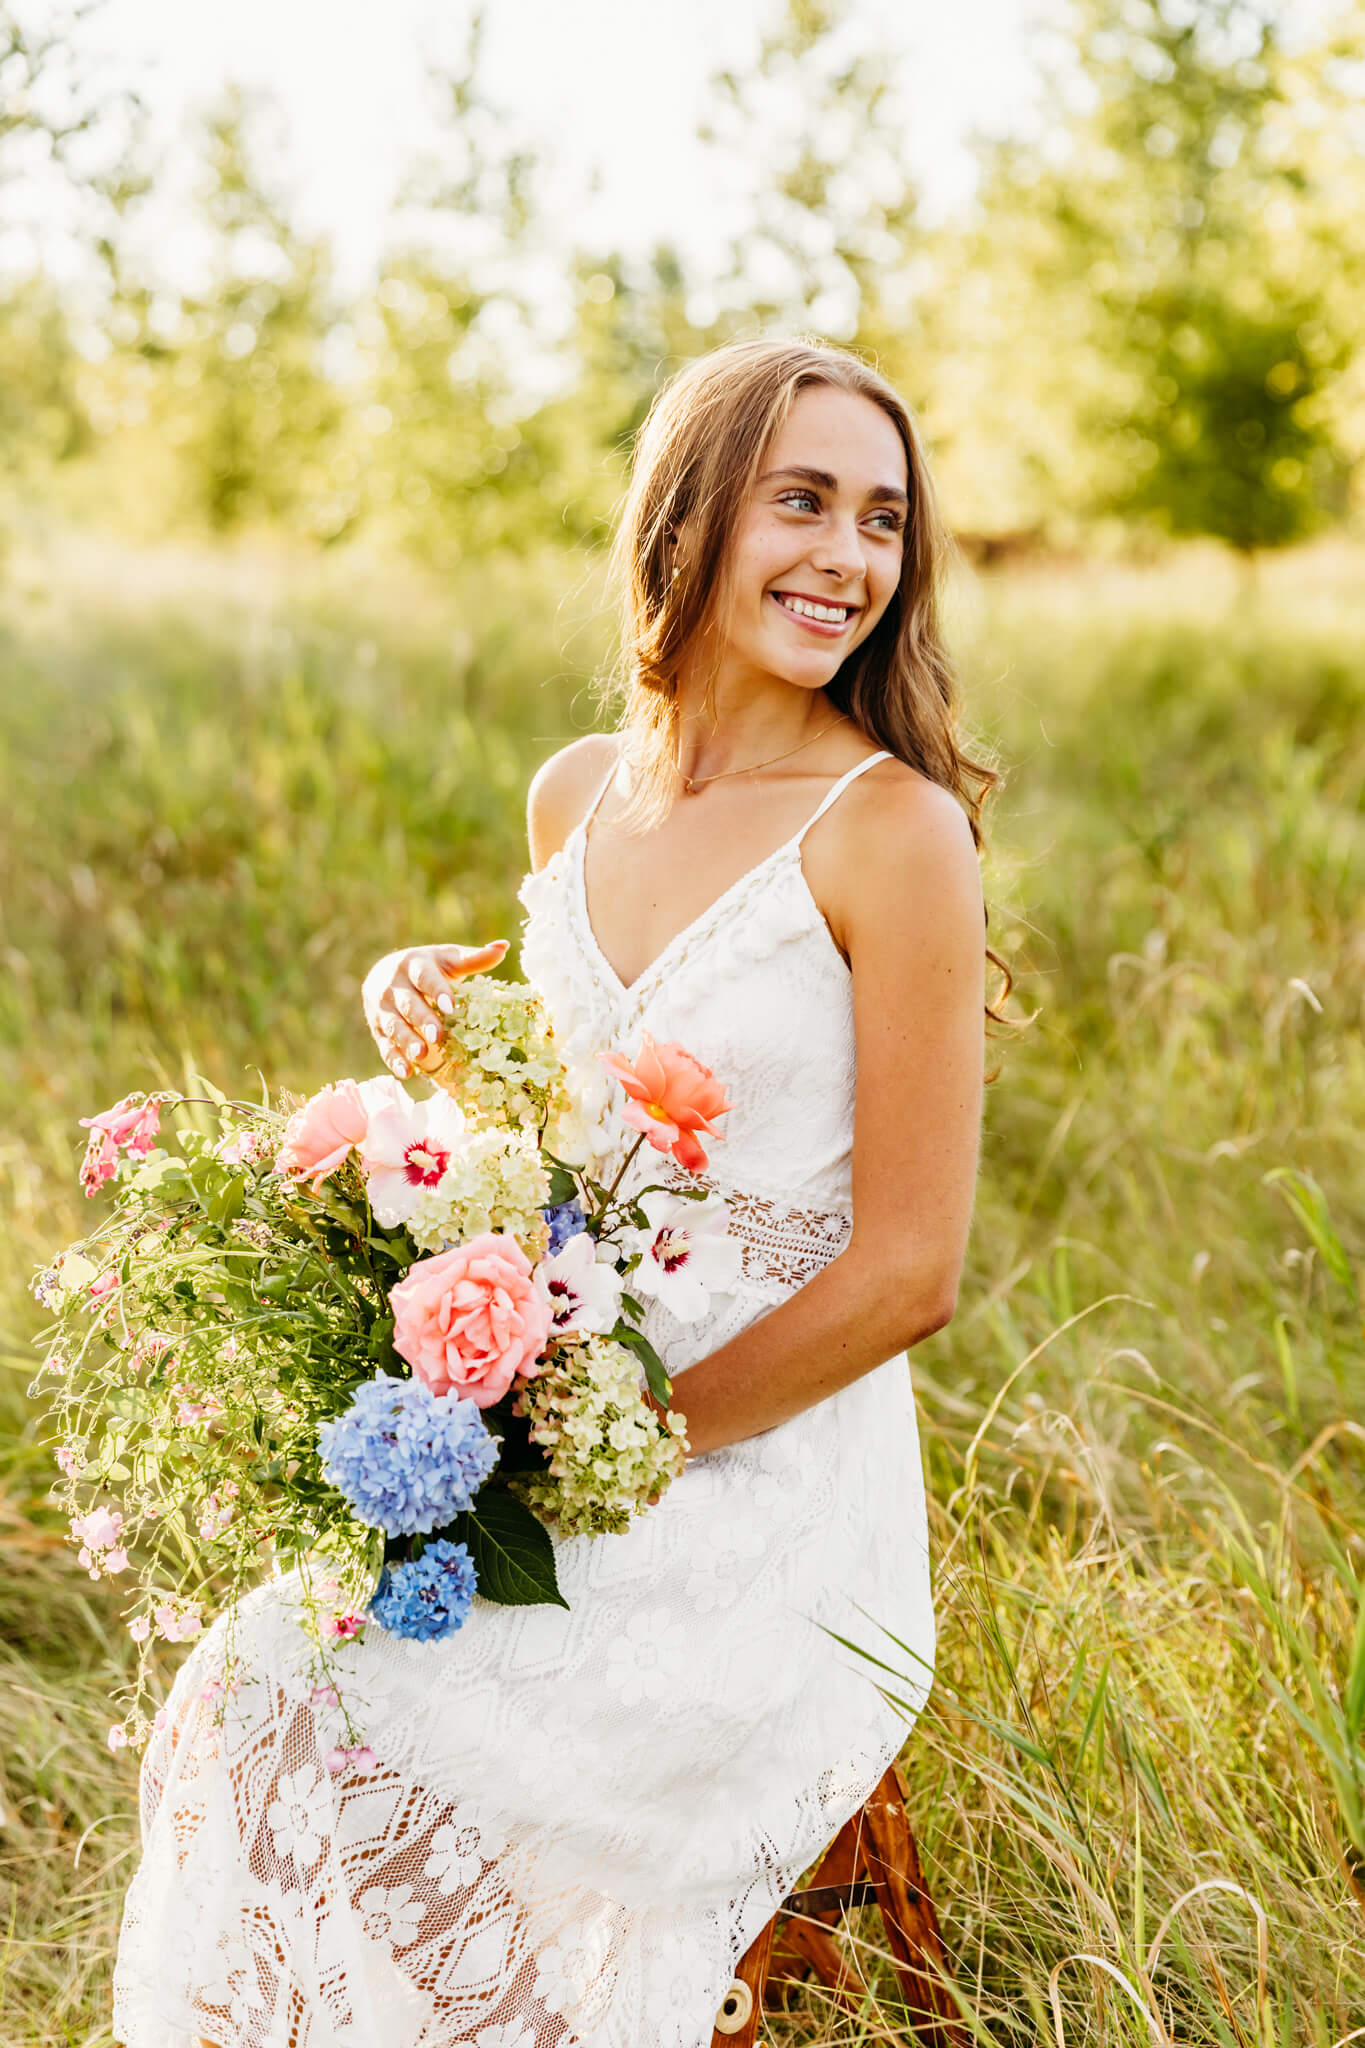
<point x="831" y="627"/>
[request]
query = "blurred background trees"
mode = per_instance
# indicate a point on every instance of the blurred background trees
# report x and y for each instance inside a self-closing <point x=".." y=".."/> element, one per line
<point x="1147" y="317"/>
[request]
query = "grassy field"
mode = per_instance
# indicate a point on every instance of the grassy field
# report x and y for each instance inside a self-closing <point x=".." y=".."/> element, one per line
<point x="1140" y="1788"/>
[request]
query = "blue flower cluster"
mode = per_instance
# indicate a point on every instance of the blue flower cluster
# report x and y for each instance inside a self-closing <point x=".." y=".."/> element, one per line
<point x="428" y="1597"/>
<point x="565" y="1219"/>
<point x="406" y="1459"/>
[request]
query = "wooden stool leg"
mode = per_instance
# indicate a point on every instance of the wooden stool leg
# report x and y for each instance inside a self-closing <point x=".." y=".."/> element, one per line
<point x="742" y="2032"/>
<point x="912" y="1929"/>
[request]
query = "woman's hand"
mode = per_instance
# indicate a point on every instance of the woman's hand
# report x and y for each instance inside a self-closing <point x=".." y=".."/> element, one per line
<point x="405" y="994"/>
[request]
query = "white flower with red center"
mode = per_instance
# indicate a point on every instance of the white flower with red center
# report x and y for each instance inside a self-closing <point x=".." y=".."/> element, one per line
<point x="583" y="1291"/>
<point x="686" y="1254"/>
<point x="405" y="1152"/>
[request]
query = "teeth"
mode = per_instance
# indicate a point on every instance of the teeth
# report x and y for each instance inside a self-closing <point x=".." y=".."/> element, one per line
<point x="828" y="614"/>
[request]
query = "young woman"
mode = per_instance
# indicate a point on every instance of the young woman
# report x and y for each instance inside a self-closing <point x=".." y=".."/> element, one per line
<point x="578" y="1818"/>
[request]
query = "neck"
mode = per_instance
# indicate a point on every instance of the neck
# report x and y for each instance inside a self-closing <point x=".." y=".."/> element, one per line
<point x="743" y="726"/>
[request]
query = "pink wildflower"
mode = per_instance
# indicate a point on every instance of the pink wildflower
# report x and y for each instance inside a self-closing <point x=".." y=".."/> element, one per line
<point x="140" y="1627"/>
<point x="100" y="1162"/>
<point x="361" y="1758"/>
<point x="130" y="1126"/>
<point x="101" y="1528"/>
<point x="118" y="1736"/>
<point x="345" y="1628"/>
<point x="324" y="1696"/>
<point x="104" y="1286"/>
<point x="176" y="1624"/>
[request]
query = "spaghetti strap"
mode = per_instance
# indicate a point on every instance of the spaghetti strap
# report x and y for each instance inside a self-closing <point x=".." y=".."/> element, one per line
<point x="591" y="812"/>
<point x="832" y="796"/>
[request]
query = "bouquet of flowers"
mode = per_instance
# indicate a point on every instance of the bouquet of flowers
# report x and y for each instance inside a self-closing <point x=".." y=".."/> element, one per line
<point x="385" y="1342"/>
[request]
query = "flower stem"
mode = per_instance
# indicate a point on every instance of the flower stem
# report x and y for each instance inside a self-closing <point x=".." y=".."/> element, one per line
<point x="600" y="1213"/>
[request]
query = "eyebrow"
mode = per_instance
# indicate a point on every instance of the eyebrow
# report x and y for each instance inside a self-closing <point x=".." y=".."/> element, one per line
<point x="882" y="494"/>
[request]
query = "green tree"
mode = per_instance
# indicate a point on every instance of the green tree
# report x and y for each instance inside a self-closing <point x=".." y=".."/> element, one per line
<point x="61" y="127"/>
<point x="457" y="464"/>
<point x="242" y="389"/>
<point x="816" y="131"/>
<point x="1168" y="234"/>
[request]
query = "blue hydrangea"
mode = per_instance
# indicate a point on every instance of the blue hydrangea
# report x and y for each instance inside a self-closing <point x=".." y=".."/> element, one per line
<point x="565" y="1219"/>
<point x="406" y="1459"/>
<point x="428" y="1597"/>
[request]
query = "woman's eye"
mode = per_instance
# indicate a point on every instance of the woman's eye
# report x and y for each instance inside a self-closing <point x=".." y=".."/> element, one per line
<point x="787" y="497"/>
<point x="893" y="520"/>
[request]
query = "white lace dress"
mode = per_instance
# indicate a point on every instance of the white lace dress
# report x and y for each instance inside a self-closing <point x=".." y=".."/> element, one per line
<point x="578" y="1820"/>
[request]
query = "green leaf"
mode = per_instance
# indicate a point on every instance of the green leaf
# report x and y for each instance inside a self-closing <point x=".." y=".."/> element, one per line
<point x="563" y="1186"/>
<point x="514" y="1560"/>
<point x="1309" y="1204"/>
<point x="226" y="1204"/>
<point x="657" y="1380"/>
<point x="632" y="1307"/>
<point x="1355" y="1681"/>
<point x="395" y="1248"/>
<point x="381" y="1340"/>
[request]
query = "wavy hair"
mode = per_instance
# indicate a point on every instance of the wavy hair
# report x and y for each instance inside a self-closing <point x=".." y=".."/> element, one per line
<point x="696" y="459"/>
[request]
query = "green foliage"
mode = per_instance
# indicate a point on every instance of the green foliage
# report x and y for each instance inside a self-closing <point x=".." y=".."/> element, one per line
<point x="226" y="797"/>
<point x="1230" y="429"/>
<point x="245" y="399"/>
<point x="1175" y="238"/>
<point x="1150" y="312"/>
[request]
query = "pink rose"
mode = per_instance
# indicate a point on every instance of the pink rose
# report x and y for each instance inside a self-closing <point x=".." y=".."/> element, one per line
<point x="469" y="1320"/>
<point x="320" y="1137"/>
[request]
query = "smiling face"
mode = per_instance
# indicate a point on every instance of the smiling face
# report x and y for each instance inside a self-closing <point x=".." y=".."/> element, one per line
<point x="816" y="554"/>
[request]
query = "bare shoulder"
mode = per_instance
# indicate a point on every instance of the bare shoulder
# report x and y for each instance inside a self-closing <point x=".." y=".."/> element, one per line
<point x="561" y="790"/>
<point x="901" y="852"/>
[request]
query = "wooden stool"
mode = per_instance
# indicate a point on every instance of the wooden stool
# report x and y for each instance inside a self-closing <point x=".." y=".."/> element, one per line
<point x="872" y="1859"/>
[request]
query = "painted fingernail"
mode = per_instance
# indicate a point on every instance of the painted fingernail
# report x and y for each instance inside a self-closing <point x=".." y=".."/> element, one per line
<point x="446" y="1003"/>
<point x="430" y="1032"/>
<point x="400" y="1067"/>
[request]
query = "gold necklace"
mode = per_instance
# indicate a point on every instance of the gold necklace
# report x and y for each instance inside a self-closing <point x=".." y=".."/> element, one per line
<point x="692" y="783"/>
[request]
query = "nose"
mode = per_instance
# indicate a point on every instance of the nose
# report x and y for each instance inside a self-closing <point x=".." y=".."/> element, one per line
<point x="838" y="553"/>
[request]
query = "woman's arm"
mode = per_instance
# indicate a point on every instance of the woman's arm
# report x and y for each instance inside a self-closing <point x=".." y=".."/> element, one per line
<point x="901" y="886"/>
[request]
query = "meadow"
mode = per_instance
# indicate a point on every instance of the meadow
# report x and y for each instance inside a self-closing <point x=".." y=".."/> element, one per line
<point x="229" y="781"/>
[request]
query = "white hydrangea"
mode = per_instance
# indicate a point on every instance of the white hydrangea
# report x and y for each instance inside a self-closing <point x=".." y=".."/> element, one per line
<point x="494" y="1182"/>
<point x="498" y="1054"/>
<point x="607" y="1452"/>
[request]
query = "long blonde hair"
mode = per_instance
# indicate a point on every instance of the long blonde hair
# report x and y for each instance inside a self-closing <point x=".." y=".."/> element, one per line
<point x="696" y="458"/>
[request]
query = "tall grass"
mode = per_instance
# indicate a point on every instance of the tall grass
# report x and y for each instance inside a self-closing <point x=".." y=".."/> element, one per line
<point x="228" y="788"/>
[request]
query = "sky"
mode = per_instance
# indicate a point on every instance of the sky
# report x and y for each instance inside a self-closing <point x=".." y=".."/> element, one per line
<point x="607" y="87"/>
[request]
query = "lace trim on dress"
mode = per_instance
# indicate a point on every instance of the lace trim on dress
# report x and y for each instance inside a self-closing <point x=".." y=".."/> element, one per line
<point x="783" y="1246"/>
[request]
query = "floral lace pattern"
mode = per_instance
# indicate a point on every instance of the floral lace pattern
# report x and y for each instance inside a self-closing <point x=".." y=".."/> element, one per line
<point x="529" y="1865"/>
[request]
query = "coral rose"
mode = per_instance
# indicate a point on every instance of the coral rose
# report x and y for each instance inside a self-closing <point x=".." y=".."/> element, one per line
<point x="470" y="1319"/>
<point x="672" y="1097"/>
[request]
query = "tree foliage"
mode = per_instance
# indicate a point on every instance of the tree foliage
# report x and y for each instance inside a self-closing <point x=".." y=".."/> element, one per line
<point x="1149" y="312"/>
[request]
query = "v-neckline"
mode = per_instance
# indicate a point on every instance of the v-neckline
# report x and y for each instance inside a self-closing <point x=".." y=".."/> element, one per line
<point x="625" y="990"/>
